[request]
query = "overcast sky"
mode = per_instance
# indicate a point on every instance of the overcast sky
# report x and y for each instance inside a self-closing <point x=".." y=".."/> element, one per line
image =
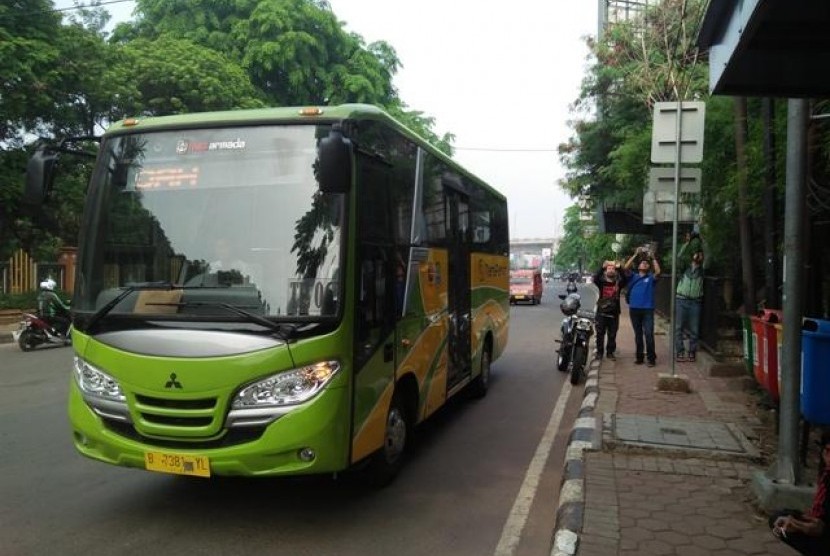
<point x="499" y="75"/>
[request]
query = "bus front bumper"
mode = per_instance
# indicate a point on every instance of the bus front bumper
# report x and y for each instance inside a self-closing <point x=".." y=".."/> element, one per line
<point x="319" y="427"/>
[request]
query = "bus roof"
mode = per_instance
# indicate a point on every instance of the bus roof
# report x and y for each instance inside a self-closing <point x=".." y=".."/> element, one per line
<point x="286" y="115"/>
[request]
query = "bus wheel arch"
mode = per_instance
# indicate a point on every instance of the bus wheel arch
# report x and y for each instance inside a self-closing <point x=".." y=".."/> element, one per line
<point x="387" y="462"/>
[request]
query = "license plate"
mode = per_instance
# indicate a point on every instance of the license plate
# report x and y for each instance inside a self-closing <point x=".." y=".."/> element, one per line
<point x="520" y="297"/>
<point x="177" y="464"/>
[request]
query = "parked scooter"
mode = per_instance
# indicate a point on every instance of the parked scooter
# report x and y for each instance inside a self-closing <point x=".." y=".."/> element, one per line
<point x="570" y="288"/>
<point x="34" y="331"/>
<point x="576" y="331"/>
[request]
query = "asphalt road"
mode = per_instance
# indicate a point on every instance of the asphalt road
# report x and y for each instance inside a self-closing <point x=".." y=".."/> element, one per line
<point x="481" y="479"/>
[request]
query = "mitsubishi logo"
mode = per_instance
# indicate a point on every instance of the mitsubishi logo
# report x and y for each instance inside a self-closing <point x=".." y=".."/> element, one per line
<point x="173" y="383"/>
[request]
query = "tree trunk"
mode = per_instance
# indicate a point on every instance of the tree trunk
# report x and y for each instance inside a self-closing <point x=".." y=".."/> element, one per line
<point x="747" y="268"/>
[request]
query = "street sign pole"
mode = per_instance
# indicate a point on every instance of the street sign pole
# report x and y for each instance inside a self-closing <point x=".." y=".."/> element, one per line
<point x="667" y="148"/>
<point x="673" y="303"/>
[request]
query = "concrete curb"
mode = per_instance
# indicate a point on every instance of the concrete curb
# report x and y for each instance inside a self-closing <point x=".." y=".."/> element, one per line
<point x="584" y="436"/>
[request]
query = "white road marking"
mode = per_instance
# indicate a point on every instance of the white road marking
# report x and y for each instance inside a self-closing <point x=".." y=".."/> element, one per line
<point x="511" y="534"/>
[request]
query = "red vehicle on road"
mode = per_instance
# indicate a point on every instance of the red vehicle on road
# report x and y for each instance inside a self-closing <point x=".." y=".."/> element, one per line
<point x="526" y="285"/>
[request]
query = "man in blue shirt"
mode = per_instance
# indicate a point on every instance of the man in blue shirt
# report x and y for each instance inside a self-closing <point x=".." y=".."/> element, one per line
<point x="641" y="303"/>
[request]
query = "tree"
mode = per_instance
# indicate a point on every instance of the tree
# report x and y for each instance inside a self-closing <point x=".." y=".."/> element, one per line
<point x="294" y="51"/>
<point x="60" y="79"/>
<point x="638" y="63"/>
<point x="173" y="76"/>
<point x="580" y="247"/>
<point x="28" y="59"/>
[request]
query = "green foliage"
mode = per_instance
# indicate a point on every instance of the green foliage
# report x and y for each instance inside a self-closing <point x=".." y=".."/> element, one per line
<point x="295" y="52"/>
<point x="608" y="156"/>
<point x="63" y="78"/>
<point x="23" y="301"/>
<point x="579" y="248"/>
<point x="172" y="76"/>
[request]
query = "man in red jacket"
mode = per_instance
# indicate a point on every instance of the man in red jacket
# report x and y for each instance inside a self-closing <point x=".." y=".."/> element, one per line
<point x="609" y="281"/>
<point x="810" y="533"/>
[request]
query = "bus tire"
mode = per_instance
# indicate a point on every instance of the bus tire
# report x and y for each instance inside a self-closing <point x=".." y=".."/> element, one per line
<point x="386" y="463"/>
<point x="481" y="383"/>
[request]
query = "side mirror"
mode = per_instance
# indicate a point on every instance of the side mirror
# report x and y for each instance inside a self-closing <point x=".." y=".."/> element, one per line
<point x="40" y="173"/>
<point x="335" y="158"/>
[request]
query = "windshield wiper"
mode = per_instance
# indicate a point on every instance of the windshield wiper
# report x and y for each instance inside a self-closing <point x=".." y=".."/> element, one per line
<point x="104" y="311"/>
<point x="283" y="330"/>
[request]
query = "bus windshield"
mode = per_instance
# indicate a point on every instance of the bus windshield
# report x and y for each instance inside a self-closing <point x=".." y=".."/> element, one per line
<point x="212" y="217"/>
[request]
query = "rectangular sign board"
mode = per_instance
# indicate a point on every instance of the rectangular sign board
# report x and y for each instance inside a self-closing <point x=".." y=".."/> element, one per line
<point x="664" y="132"/>
<point x="662" y="179"/>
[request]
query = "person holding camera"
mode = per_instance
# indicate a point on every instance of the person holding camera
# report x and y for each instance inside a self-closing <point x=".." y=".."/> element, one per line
<point x="609" y="281"/>
<point x="641" y="303"/>
<point x="688" y="297"/>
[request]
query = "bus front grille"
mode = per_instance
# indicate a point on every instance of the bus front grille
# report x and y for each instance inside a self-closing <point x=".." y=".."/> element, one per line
<point x="178" y="413"/>
<point x="167" y="403"/>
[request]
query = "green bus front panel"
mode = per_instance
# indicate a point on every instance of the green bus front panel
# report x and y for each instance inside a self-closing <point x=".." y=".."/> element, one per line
<point x="190" y="420"/>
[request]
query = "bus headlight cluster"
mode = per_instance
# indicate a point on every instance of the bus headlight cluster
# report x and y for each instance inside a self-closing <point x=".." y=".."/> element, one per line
<point x="93" y="382"/>
<point x="288" y="387"/>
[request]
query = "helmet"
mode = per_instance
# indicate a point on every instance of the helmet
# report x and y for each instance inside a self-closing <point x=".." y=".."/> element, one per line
<point x="570" y="305"/>
<point x="48" y="284"/>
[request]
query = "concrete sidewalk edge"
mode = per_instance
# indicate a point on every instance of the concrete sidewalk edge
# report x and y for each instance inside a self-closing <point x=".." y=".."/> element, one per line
<point x="586" y="434"/>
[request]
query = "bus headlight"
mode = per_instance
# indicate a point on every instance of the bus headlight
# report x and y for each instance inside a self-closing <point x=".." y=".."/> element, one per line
<point x="93" y="382"/>
<point x="288" y="387"/>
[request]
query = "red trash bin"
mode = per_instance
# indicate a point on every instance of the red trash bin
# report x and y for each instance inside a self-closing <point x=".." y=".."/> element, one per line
<point x="765" y="359"/>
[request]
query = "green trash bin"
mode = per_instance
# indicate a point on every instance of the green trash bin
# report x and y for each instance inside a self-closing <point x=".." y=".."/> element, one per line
<point x="749" y="345"/>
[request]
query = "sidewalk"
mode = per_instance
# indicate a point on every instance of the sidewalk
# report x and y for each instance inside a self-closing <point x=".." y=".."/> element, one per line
<point x="671" y="473"/>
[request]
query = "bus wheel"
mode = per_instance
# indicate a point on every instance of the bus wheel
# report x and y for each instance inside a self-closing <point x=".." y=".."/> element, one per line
<point x="479" y="386"/>
<point x="387" y="462"/>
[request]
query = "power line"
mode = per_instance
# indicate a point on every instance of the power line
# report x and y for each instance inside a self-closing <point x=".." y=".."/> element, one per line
<point x="485" y="149"/>
<point x="96" y="5"/>
<point x="53" y="10"/>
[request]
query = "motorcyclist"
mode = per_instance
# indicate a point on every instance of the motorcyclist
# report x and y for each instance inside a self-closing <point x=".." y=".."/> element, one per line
<point x="52" y="309"/>
<point x="571" y="287"/>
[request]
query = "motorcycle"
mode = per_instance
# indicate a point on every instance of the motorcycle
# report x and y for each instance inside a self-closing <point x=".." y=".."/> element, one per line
<point x="576" y="331"/>
<point x="570" y="288"/>
<point x="34" y="331"/>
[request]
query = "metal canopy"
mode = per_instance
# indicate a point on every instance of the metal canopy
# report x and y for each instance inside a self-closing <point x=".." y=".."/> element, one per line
<point x="777" y="48"/>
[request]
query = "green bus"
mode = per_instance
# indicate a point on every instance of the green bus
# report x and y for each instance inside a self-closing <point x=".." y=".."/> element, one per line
<point x="277" y="291"/>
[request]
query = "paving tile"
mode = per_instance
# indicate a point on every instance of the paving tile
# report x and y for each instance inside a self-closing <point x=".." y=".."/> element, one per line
<point x="653" y="524"/>
<point x="652" y="502"/>
<point x="708" y="542"/>
<point x="692" y="551"/>
<point x="656" y="547"/>
<point x="673" y="538"/>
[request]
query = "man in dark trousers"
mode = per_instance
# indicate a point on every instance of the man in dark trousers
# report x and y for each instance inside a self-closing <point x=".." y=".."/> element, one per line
<point x="689" y="297"/>
<point x="609" y="281"/>
<point x="641" y="303"/>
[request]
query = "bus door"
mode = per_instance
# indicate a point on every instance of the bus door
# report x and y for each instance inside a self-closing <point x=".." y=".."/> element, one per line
<point x="375" y="299"/>
<point x="458" y="287"/>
